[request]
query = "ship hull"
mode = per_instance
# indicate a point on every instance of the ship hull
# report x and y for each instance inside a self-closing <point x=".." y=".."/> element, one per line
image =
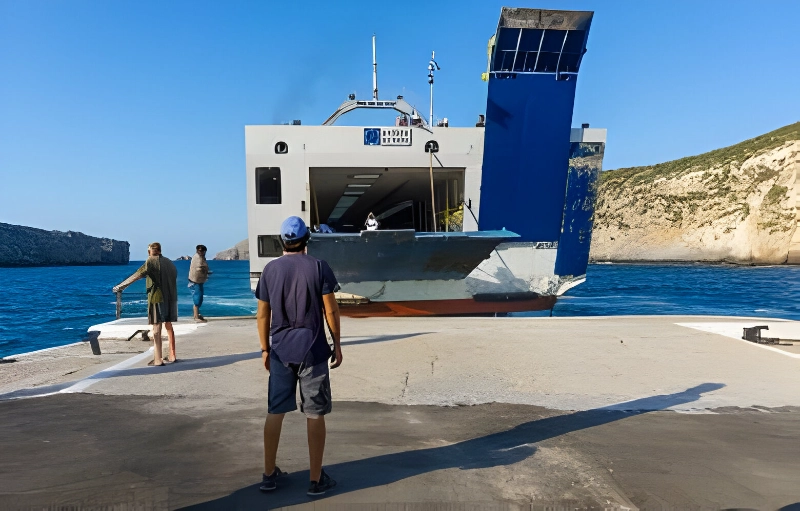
<point x="500" y="304"/>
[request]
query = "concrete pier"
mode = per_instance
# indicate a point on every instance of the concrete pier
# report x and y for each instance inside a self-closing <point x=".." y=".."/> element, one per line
<point x="429" y="413"/>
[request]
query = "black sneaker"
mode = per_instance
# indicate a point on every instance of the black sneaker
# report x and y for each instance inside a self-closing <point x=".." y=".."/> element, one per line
<point x="270" y="482"/>
<point x="325" y="483"/>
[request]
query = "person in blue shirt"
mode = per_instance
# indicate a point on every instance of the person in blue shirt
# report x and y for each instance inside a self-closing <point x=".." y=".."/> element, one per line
<point x="292" y="293"/>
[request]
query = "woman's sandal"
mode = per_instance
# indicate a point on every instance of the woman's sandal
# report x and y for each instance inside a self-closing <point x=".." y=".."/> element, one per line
<point x="152" y="363"/>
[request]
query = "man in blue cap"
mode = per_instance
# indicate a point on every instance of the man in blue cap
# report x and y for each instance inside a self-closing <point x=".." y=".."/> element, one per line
<point x="292" y="293"/>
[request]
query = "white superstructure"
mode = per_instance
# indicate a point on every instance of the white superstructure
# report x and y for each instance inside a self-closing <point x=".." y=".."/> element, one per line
<point x="320" y="173"/>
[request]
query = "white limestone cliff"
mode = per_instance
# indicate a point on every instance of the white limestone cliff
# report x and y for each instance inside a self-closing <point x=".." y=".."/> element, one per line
<point x="738" y="204"/>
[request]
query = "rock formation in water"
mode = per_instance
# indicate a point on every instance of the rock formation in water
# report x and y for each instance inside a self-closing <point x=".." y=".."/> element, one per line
<point x="239" y="252"/>
<point x="184" y="258"/>
<point x="738" y="204"/>
<point x="27" y="246"/>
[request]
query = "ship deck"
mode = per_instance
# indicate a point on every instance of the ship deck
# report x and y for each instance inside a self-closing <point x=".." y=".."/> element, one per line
<point x="503" y="413"/>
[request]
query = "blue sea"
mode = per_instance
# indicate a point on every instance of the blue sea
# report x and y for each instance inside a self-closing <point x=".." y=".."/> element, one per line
<point x="53" y="306"/>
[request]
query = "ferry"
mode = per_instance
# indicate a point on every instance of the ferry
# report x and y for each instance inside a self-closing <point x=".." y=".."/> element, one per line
<point x="486" y="219"/>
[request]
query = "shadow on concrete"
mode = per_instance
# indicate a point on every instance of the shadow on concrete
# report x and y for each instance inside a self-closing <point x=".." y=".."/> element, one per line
<point x="183" y="364"/>
<point x="503" y="448"/>
<point x="36" y="391"/>
<point x="186" y="364"/>
<point x="381" y="338"/>
<point x="190" y="364"/>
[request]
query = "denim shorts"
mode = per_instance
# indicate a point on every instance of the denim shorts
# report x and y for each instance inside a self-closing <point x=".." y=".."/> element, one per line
<point x="197" y="293"/>
<point x="315" y="388"/>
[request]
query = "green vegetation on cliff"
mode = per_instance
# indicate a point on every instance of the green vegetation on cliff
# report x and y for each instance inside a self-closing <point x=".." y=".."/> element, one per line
<point x="734" y="204"/>
<point x="713" y="159"/>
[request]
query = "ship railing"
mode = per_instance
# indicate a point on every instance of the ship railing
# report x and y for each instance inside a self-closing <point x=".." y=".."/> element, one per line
<point x="451" y="219"/>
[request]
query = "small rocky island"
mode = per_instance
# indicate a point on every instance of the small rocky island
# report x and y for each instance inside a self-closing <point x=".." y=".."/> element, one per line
<point x="28" y="246"/>
<point x="239" y="252"/>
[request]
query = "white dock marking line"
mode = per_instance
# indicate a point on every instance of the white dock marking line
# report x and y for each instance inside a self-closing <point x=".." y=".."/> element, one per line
<point x="179" y="331"/>
<point x="105" y="373"/>
<point x="91" y="380"/>
<point x="111" y="330"/>
<point x="709" y="327"/>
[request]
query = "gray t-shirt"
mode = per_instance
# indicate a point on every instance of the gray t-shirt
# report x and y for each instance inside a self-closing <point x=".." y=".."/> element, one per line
<point x="293" y="285"/>
<point x="198" y="270"/>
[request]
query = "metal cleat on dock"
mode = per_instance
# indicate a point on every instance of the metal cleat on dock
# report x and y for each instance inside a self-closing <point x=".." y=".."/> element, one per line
<point x="754" y="335"/>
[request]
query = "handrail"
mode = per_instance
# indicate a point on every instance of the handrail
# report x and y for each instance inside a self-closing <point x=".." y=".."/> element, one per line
<point x="118" y="289"/>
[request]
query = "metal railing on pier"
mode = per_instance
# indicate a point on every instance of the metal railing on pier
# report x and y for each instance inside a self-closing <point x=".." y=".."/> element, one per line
<point x="121" y="305"/>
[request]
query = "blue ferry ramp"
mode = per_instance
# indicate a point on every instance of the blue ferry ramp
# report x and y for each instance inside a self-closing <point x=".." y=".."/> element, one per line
<point x="529" y="185"/>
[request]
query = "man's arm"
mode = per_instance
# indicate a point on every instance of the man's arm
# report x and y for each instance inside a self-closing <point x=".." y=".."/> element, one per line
<point x="140" y="273"/>
<point x="332" y="317"/>
<point x="262" y="320"/>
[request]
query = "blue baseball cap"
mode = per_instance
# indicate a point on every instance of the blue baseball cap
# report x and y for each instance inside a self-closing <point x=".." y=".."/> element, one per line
<point x="293" y="229"/>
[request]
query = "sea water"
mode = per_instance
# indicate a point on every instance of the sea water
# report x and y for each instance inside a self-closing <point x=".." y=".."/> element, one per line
<point x="684" y="289"/>
<point x="53" y="306"/>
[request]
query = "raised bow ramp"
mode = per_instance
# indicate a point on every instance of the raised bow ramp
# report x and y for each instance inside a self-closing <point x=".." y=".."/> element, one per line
<point x="533" y="72"/>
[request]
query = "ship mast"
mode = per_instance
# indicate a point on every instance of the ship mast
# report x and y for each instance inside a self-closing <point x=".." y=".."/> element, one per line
<point x="432" y="66"/>
<point x="374" y="71"/>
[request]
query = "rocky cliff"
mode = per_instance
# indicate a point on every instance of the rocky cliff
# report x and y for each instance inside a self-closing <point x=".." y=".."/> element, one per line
<point x="737" y="204"/>
<point x="26" y="246"/>
<point x="239" y="252"/>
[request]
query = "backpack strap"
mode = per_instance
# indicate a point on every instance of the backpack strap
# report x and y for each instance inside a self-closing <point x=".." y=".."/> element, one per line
<point x="325" y="324"/>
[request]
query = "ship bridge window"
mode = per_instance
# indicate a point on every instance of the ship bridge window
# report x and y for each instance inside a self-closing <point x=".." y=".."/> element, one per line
<point x="268" y="185"/>
<point x="270" y="246"/>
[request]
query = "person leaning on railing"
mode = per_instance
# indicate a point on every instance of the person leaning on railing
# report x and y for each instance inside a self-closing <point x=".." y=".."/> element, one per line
<point x="162" y="297"/>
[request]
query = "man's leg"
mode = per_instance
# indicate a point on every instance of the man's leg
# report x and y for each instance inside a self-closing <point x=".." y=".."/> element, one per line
<point x="157" y="360"/>
<point x="316" y="445"/>
<point x="272" y="436"/>
<point x="315" y="396"/>
<point x="199" y="302"/>
<point x="171" y="337"/>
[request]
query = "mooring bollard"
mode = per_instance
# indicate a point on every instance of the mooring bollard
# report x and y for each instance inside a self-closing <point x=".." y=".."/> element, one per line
<point x="94" y="342"/>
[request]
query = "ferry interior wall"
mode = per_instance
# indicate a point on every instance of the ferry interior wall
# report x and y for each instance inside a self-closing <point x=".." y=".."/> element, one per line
<point x="400" y="198"/>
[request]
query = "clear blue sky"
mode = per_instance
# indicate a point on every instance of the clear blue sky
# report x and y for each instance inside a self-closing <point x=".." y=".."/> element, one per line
<point x="126" y="119"/>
